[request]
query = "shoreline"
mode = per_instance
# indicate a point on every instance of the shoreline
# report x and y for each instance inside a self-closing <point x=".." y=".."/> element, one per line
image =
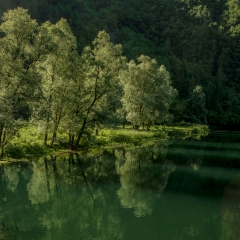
<point x="113" y="138"/>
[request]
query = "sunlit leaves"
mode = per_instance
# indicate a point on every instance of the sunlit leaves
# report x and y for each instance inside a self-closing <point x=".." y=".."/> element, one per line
<point x="97" y="88"/>
<point x="20" y="82"/>
<point x="147" y="91"/>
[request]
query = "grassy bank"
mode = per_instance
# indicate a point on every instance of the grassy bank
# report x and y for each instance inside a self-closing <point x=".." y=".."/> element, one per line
<point x="29" y="141"/>
<point x="129" y="136"/>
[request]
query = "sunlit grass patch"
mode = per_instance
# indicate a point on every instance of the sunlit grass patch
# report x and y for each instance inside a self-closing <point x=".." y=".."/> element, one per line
<point x="128" y="135"/>
<point x="26" y="142"/>
<point x="118" y="135"/>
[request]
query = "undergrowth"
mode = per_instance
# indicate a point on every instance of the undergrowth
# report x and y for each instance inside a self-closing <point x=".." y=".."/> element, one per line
<point x="29" y="142"/>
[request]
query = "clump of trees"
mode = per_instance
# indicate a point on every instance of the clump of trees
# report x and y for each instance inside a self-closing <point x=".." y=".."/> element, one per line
<point x="47" y="83"/>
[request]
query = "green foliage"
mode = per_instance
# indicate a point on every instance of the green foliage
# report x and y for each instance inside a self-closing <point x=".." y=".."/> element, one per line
<point x="129" y="136"/>
<point x="147" y="92"/>
<point x="23" y="46"/>
<point x="187" y="131"/>
<point x="53" y="74"/>
<point x="96" y="90"/>
<point x="27" y="142"/>
<point x="121" y="138"/>
<point x="197" y="41"/>
<point x="58" y="72"/>
<point x="196" y="106"/>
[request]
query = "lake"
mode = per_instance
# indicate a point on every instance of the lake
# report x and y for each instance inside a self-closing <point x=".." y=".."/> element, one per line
<point x="170" y="190"/>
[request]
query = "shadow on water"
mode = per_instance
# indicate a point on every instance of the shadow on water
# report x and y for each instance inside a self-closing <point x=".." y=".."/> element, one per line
<point x="170" y="190"/>
<point x="230" y="210"/>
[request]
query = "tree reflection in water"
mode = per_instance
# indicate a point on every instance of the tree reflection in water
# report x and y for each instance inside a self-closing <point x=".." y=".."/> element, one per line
<point x="12" y="177"/>
<point x="85" y="212"/>
<point x="143" y="175"/>
<point x="62" y="201"/>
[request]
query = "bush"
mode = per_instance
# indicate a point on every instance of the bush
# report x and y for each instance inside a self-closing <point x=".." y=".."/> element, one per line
<point x="121" y="138"/>
<point x="14" y="151"/>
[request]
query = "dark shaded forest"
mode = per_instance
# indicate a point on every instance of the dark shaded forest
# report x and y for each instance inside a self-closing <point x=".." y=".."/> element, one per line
<point x="196" y="40"/>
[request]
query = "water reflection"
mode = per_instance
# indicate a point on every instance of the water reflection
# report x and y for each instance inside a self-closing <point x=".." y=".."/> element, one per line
<point x="141" y="184"/>
<point x="163" y="191"/>
<point x="231" y="210"/>
<point x="59" y="201"/>
<point x="11" y="177"/>
<point x="38" y="185"/>
<point x="76" y="216"/>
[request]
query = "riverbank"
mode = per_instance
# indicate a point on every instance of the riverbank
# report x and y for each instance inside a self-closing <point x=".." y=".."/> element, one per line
<point x="29" y="142"/>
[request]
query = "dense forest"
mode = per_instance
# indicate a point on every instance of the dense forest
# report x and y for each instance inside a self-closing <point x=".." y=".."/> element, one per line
<point x="184" y="54"/>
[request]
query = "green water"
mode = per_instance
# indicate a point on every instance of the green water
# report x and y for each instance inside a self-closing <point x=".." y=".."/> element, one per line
<point x="172" y="191"/>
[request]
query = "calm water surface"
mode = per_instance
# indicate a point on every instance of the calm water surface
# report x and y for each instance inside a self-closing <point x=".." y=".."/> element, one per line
<point x="171" y="190"/>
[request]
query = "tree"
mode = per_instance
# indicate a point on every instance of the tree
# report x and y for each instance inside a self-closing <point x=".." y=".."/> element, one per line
<point x="196" y="106"/>
<point x="231" y="16"/>
<point x="97" y="87"/>
<point x="58" y="72"/>
<point x="147" y="92"/>
<point x="23" y="46"/>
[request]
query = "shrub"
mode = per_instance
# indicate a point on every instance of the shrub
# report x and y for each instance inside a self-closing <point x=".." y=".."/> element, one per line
<point x="121" y="138"/>
<point x="14" y="151"/>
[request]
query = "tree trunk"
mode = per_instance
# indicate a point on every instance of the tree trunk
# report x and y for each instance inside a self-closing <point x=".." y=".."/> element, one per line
<point x="136" y="127"/>
<point x="96" y="129"/>
<point x="56" y="125"/>
<point x="46" y="137"/>
<point x="80" y="134"/>
<point x="2" y="151"/>
<point x="124" y="119"/>
<point x="46" y="131"/>
<point x="148" y="125"/>
<point x="1" y="133"/>
<point x="71" y="141"/>
<point x="2" y="142"/>
<point x="53" y="137"/>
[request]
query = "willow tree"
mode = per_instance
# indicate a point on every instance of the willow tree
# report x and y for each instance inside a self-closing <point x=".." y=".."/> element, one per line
<point x="22" y="47"/>
<point x="58" y="72"/>
<point x="148" y="93"/>
<point x="97" y="87"/>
